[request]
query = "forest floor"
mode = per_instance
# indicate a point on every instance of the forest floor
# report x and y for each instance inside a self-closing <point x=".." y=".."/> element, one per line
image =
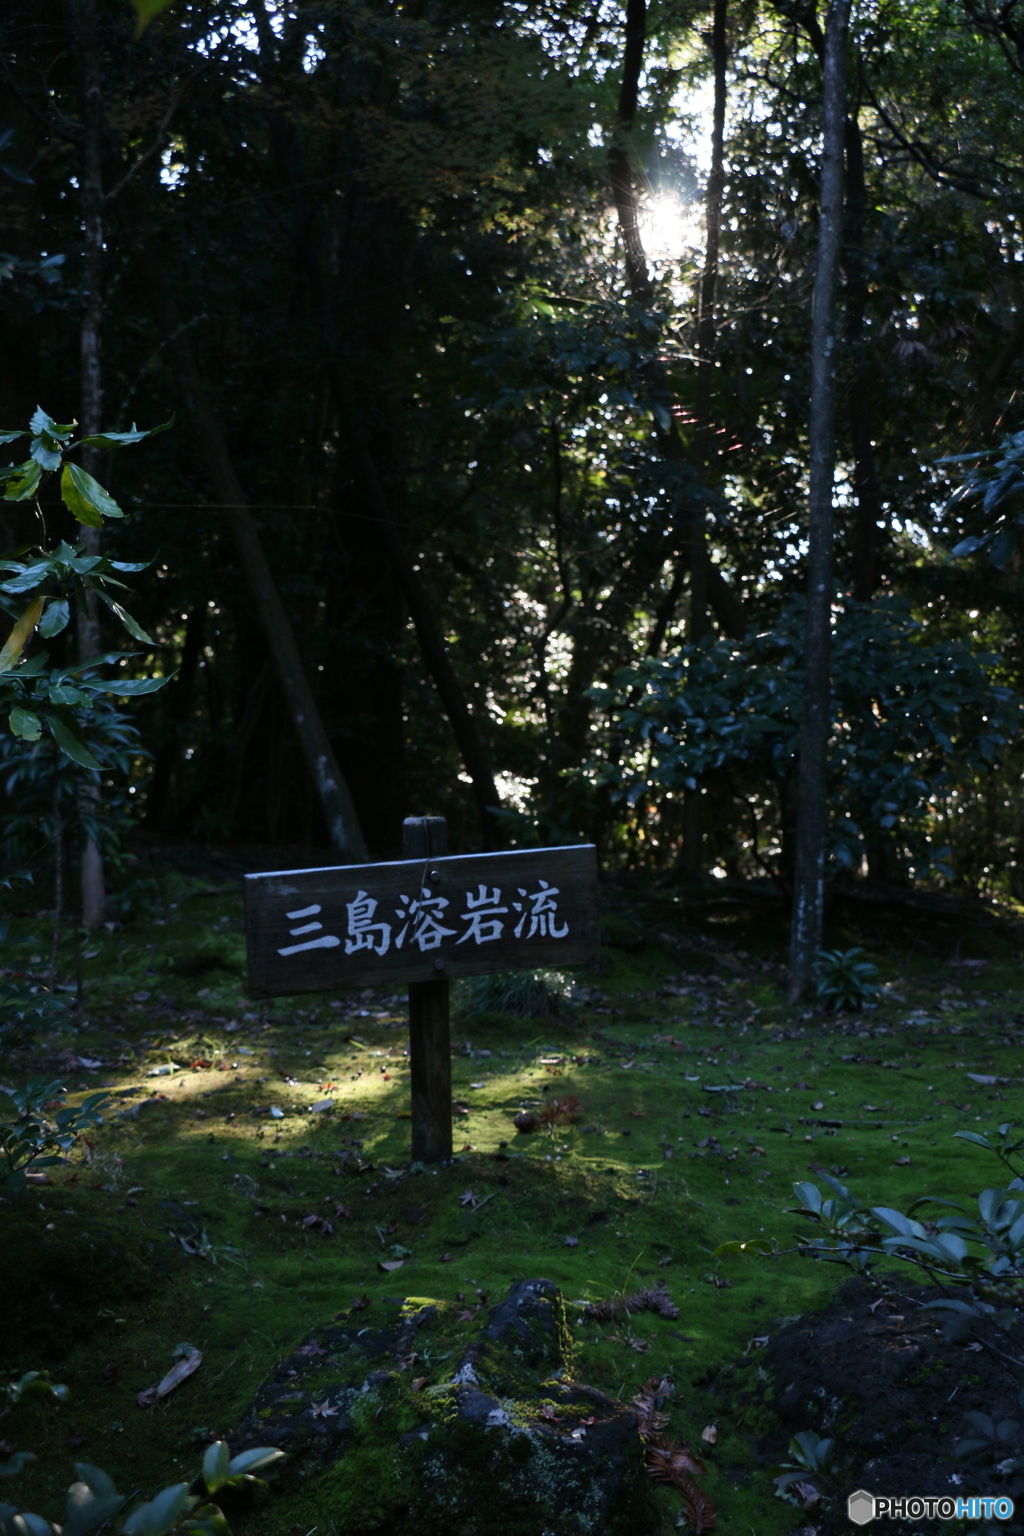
<point x="219" y="1206"/>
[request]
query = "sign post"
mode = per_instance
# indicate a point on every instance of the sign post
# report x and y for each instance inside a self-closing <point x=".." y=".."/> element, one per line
<point x="430" y="1049"/>
<point x="422" y="920"/>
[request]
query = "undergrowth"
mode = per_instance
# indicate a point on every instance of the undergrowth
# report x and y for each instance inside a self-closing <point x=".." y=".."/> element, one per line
<point x="217" y="1205"/>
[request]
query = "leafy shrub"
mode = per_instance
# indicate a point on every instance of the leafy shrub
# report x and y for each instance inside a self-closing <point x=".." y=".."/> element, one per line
<point x="37" y="1126"/>
<point x="94" y="1502"/>
<point x="526" y="994"/>
<point x="976" y="1262"/>
<point x="844" y="981"/>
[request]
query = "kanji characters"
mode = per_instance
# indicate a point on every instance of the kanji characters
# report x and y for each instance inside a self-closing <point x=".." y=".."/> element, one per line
<point x="362" y="928"/>
<point x="325" y="941"/>
<point x="541" y="914"/>
<point x="483" y="916"/>
<point x="422" y="915"/>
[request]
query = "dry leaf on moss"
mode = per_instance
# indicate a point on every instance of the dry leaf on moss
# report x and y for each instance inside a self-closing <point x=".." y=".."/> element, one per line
<point x="175" y="1376"/>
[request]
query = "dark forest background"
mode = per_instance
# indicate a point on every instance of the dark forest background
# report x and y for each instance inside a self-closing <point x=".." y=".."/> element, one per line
<point x="504" y="356"/>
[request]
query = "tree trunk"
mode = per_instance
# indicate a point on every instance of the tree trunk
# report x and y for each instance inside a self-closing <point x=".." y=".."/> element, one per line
<point x="727" y="608"/>
<point x="865" y="474"/>
<point x="342" y="823"/>
<point x="93" y="885"/>
<point x="691" y="860"/>
<point x="809" y="875"/>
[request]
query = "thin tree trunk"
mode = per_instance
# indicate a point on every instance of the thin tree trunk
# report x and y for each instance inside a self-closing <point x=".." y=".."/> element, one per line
<point x="726" y="606"/>
<point x="865" y="474"/>
<point x="94" y="896"/>
<point x="809" y="881"/>
<point x="343" y="826"/>
<point x="691" y="860"/>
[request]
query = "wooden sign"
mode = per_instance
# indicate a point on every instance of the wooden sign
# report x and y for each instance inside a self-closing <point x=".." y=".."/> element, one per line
<point x="315" y="930"/>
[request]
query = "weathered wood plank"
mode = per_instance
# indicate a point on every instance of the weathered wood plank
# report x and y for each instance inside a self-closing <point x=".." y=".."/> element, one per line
<point x="422" y="919"/>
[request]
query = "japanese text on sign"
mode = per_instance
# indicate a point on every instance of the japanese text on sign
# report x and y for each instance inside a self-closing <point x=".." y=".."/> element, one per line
<point x="422" y="921"/>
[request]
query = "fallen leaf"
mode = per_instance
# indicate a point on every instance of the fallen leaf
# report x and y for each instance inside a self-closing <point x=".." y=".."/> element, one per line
<point x="388" y="1265"/>
<point x="322" y="1410"/>
<point x="817" y="1104"/>
<point x="311" y="1349"/>
<point x="638" y="1114"/>
<point x="175" y="1376"/>
<point x="468" y="1198"/>
<point x="447" y="1258"/>
<point x="548" y="1412"/>
<point x="903" y="1162"/>
<point x="640" y="1345"/>
<point x="467" y="1316"/>
<point x="319" y="1109"/>
<point x="342" y="1210"/>
<point x="360" y="1303"/>
<point x="572" y="1242"/>
<point x="872" y="1109"/>
<point x="276" y="1112"/>
<point x="709" y="1434"/>
<point x="418" y="1383"/>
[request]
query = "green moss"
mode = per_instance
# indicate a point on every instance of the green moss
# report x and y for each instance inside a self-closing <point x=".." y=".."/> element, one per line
<point x="65" y="1290"/>
<point x="365" y="1490"/>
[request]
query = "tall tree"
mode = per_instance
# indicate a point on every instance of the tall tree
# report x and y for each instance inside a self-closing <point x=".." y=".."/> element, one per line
<point x="809" y="873"/>
<point x="90" y="645"/>
<point x="693" y="830"/>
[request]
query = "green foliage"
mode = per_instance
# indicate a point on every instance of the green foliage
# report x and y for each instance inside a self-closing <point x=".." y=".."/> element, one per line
<point x="996" y="476"/>
<point x="93" y="1501"/>
<point x="63" y="701"/>
<point x="910" y="720"/>
<point x="844" y="980"/>
<point x="61" y="722"/>
<point x="810" y="1456"/>
<point x="42" y="1128"/>
<point x="525" y="994"/>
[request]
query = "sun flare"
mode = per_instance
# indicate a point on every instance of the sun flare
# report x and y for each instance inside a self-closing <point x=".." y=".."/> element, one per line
<point x="671" y="229"/>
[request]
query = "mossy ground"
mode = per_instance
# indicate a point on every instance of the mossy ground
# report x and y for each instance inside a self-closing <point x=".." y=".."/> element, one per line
<point x="97" y="1286"/>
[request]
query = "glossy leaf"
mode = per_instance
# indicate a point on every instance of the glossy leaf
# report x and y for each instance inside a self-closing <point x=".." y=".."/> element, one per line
<point x="18" y="637"/>
<point x="22" y="480"/>
<point x="25" y="724"/>
<point x="67" y="734"/>
<point x="55" y="618"/>
<point x="134" y="629"/>
<point x="85" y="498"/>
<point x="124" y="439"/>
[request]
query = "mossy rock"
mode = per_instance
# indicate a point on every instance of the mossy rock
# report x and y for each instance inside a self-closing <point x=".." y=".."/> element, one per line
<point x="435" y="1430"/>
